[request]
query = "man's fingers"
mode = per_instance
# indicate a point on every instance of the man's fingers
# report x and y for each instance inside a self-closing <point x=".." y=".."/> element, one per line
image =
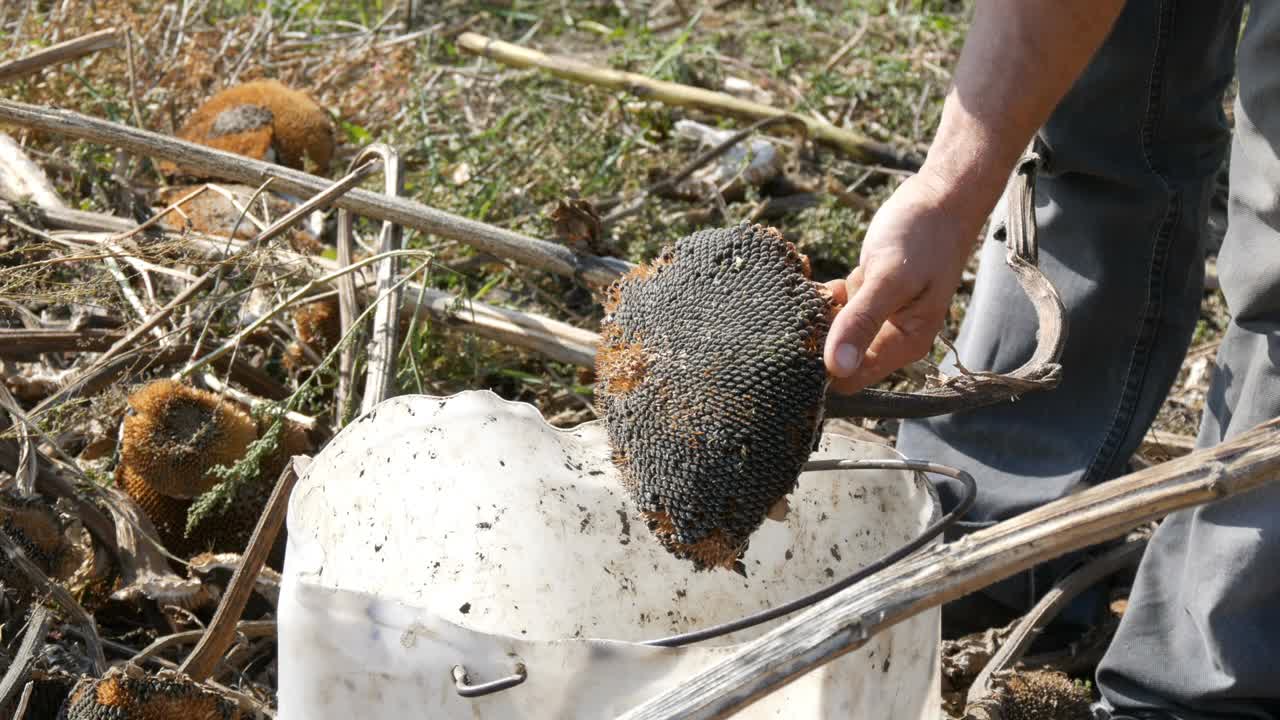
<point x="903" y="339"/>
<point x="857" y="324"/>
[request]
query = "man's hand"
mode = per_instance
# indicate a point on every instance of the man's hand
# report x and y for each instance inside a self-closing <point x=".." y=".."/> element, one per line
<point x="897" y="299"/>
<point x="1019" y="59"/>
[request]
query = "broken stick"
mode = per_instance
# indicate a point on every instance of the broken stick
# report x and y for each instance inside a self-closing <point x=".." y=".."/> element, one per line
<point x="858" y="147"/>
<point x="60" y="53"/>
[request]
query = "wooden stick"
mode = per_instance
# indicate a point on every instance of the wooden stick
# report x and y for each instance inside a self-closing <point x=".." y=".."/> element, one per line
<point x="856" y="146"/>
<point x="222" y="630"/>
<point x="845" y="621"/>
<point x="21" y="663"/>
<point x="18" y="342"/>
<point x="217" y="163"/>
<point x="58" y="54"/>
<point x="980" y="704"/>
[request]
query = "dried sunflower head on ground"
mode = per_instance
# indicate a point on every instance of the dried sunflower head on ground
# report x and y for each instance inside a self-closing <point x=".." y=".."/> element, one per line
<point x="711" y="380"/>
<point x="133" y="694"/>
<point x="172" y="442"/>
<point x="264" y="120"/>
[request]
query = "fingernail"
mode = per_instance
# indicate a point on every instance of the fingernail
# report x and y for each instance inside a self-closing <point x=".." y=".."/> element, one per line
<point x="848" y="358"/>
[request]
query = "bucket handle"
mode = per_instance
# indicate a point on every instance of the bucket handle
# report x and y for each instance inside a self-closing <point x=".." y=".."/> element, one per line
<point x="462" y="682"/>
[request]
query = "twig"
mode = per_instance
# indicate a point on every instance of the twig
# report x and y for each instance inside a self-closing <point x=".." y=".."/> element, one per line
<point x="497" y="241"/>
<point x="1049" y="606"/>
<point x="381" y="366"/>
<point x="844" y="622"/>
<point x="247" y="628"/>
<point x="276" y="228"/>
<point x="202" y="660"/>
<point x="20" y="665"/>
<point x="28" y="470"/>
<point x="848" y="47"/>
<point x="60" y="53"/>
<point x="13" y="552"/>
<point x="24" y="700"/>
<point x="858" y="147"/>
<point x="558" y="340"/>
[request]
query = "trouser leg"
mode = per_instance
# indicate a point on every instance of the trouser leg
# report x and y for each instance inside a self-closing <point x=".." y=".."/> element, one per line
<point x="1201" y="636"/>
<point x="1121" y="206"/>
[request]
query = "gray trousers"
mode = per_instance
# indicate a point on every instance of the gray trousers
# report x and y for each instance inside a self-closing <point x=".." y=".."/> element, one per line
<point x="1131" y="154"/>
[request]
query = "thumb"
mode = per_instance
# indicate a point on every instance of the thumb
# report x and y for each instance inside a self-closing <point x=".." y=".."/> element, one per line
<point x="857" y="324"/>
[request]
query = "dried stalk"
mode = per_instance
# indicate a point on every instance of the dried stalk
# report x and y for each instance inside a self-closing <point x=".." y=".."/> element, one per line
<point x="189" y="292"/>
<point x="221" y="631"/>
<point x="847" y="620"/>
<point x="245" y="628"/>
<point x="382" y="345"/>
<point x="28" y="470"/>
<point x="856" y="146"/>
<point x="557" y="340"/>
<point x="58" y="54"/>
<point x="20" y="666"/>
<point x="20" y="342"/>
<point x="216" y="163"/>
<point x="1062" y="593"/>
<point x="24" y="701"/>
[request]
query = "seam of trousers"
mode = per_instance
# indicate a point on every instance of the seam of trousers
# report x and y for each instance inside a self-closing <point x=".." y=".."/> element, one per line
<point x="1140" y="356"/>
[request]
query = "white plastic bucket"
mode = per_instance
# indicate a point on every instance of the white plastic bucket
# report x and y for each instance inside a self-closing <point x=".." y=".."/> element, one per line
<point x="436" y="533"/>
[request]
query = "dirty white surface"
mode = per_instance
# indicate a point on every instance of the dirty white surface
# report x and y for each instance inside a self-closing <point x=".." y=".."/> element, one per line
<point x="436" y="532"/>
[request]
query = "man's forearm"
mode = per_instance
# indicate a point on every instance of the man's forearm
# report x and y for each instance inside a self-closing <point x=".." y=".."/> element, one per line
<point x="1020" y="58"/>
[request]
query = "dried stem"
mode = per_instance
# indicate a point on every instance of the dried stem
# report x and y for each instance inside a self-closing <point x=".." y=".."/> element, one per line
<point x="216" y="163"/>
<point x="60" y="53"/>
<point x="20" y="666"/>
<point x="221" y="631"/>
<point x="1062" y="593"/>
<point x="856" y="146"/>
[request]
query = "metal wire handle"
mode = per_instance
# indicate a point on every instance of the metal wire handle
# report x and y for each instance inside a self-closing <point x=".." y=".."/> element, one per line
<point x="462" y="682"/>
<point x="966" y="501"/>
